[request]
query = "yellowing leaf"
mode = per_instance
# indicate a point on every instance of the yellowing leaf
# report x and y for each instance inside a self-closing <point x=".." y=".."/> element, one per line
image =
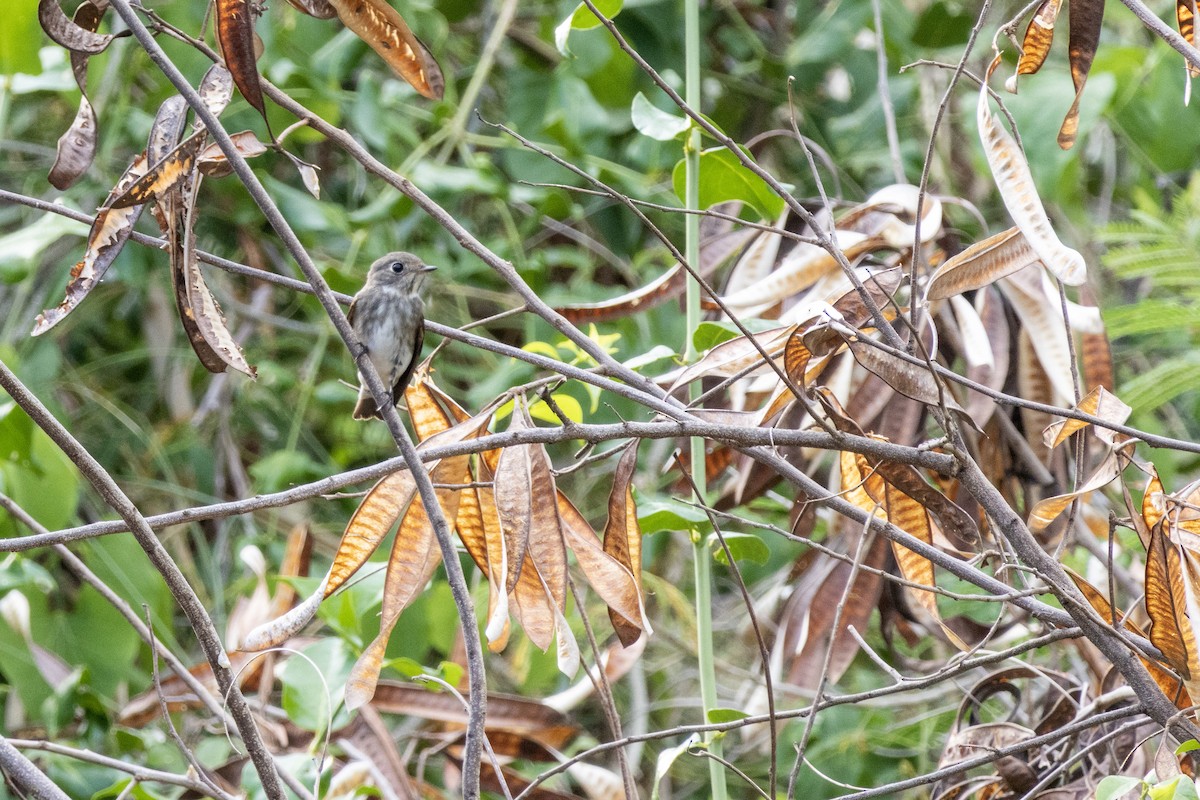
<point x="1046" y="511"/>
<point x="1166" y="604"/>
<point x="623" y="542"/>
<point x="381" y="27"/>
<point x="1038" y="37"/>
<point x="1099" y="402"/>
<point x="164" y="175"/>
<point x="911" y="517"/>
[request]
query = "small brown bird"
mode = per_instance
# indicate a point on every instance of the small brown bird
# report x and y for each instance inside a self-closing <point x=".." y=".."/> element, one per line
<point x="388" y="317"/>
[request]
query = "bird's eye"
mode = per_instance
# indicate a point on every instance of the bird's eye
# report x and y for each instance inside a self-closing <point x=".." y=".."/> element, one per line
<point x="397" y="267"/>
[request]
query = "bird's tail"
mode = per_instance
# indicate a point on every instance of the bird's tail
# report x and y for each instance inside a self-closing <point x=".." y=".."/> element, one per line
<point x="366" y="408"/>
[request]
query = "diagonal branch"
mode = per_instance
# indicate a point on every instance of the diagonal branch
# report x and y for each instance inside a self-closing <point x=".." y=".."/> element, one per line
<point x="185" y="597"/>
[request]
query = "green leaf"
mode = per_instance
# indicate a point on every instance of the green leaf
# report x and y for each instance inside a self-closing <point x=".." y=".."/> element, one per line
<point x="718" y="715"/>
<point x="668" y="514"/>
<point x="567" y="404"/>
<point x="742" y="546"/>
<point x="1187" y="747"/>
<point x="1115" y="786"/>
<point x="710" y="334"/>
<point x="581" y="19"/>
<point x="724" y="178"/>
<point x="656" y="123"/>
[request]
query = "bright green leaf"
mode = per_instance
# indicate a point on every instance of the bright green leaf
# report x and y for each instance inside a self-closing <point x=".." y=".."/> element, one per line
<point x="719" y="715"/>
<point x="656" y="123"/>
<point x="724" y="178"/>
<point x="581" y="19"/>
<point x="1187" y="747"/>
<point x="742" y="546"/>
<point x="567" y="405"/>
<point x="710" y="334"/>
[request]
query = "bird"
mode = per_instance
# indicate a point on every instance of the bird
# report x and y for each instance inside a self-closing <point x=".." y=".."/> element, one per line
<point x="388" y="317"/>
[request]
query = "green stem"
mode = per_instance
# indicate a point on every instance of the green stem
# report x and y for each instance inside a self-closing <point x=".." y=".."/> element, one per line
<point x="701" y="559"/>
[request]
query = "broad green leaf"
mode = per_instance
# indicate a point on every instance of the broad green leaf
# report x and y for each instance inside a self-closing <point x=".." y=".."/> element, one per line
<point x="711" y="334"/>
<point x="724" y="178"/>
<point x="742" y="546"/>
<point x="581" y="19"/>
<point x="667" y="514"/>
<point x="1187" y="747"/>
<point x="1115" y="786"/>
<point x="656" y="123"/>
<point x="1180" y="787"/>
<point x="719" y="715"/>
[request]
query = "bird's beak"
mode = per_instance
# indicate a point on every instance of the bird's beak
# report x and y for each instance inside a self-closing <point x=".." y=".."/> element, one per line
<point x="428" y="268"/>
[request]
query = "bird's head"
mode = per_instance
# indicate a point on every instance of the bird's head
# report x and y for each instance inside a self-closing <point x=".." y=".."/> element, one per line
<point x="404" y="271"/>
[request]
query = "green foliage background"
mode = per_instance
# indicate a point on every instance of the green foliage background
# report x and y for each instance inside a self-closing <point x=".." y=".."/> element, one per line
<point x="121" y="375"/>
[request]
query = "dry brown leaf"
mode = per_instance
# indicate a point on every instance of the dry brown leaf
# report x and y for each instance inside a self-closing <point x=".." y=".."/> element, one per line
<point x="415" y="555"/>
<point x="1166" y="604"/>
<point x="381" y="27"/>
<point x="911" y="517"/>
<point x="981" y="264"/>
<point x="175" y="167"/>
<point x="1015" y="182"/>
<point x="737" y="355"/>
<point x="514" y="500"/>
<point x="1041" y="319"/>
<point x="212" y="161"/>
<point x="623" y="541"/>
<point x="1038" y="38"/>
<point x="1099" y="402"/>
<point x="758" y="258"/>
<point x="528" y="719"/>
<point x="803" y="266"/>
<point x="235" y="31"/>
<point x="1153" y="500"/>
<point x="806" y="625"/>
<point x="1048" y="510"/>
<point x="76" y="148"/>
<point x="202" y="309"/>
<point x="1086" y="18"/>
<point x="67" y="33"/>
<point x="910" y="380"/>
<point x="110" y="230"/>
<point x="547" y="548"/>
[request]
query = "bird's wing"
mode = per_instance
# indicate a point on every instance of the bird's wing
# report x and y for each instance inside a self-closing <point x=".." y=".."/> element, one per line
<point x="402" y="381"/>
<point x="350" y="313"/>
